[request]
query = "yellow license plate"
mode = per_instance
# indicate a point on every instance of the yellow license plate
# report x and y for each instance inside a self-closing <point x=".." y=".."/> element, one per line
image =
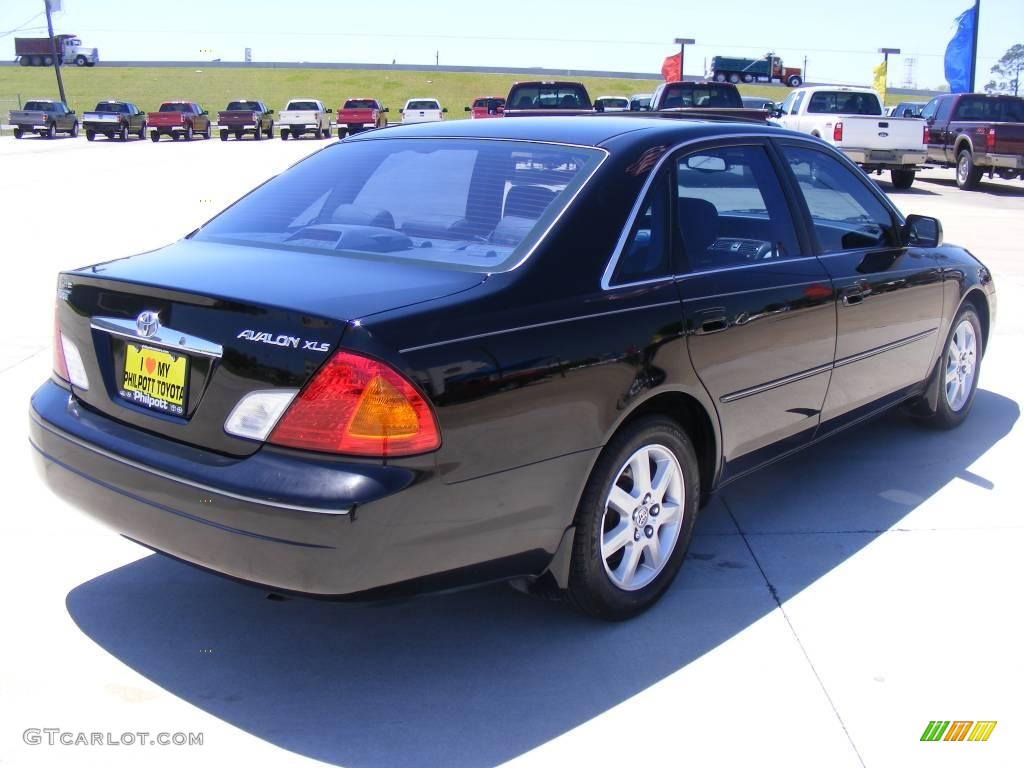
<point x="155" y="379"/>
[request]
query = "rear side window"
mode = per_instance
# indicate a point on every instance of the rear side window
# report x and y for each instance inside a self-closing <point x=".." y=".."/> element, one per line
<point x="846" y="215"/>
<point x="469" y="204"/>
<point x="990" y="110"/>
<point x="844" y="103"/>
<point x="730" y="209"/>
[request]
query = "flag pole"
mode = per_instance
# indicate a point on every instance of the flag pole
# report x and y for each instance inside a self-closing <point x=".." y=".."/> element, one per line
<point x="974" y="45"/>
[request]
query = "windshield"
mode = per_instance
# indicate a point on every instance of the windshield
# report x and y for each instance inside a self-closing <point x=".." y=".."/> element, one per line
<point x="700" y="96"/>
<point x="303" y="106"/>
<point x="422" y="105"/>
<point x="844" y="103"/>
<point x="990" y="110"/>
<point x="243" y="106"/>
<point x="371" y="104"/>
<point x="468" y="204"/>
<point x="175" y="107"/>
<point x="549" y="96"/>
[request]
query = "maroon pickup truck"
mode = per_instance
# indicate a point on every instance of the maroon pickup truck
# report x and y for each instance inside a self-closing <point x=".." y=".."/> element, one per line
<point x="178" y="119"/>
<point x="246" y="116"/>
<point x="357" y="115"/>
<point x="547" y="98"/>
<point x="976" y="133"/>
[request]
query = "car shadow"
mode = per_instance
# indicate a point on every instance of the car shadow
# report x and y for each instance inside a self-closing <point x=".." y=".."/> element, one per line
<point x="993" y="187"/>
<point x="892" y="191"/>
<point x="478" y="677"/>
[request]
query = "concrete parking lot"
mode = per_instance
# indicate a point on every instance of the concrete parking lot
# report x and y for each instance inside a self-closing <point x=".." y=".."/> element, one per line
<point x="832" y="605"/>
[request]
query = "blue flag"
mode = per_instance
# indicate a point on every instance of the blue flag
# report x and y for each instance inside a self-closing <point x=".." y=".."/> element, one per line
<point x="960" y="51"/>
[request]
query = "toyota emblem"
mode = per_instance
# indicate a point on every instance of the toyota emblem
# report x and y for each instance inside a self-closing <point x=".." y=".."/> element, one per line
<point x="147" y="324"/>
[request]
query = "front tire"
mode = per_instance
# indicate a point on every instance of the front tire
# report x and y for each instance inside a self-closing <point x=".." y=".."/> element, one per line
<point x="903" y="179"/>
<point x="270" y="131"/>
<point x="958" y="370"/>
<point x="794" y="81"/>
<point x="635" y="520"/>
<point x="967" y="174"/>
<point x="74" y="130"/>
<point x="81" y="61"/>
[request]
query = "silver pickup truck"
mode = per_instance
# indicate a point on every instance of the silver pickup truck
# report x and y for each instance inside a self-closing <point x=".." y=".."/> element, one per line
<point x="45" y="117"/>
<point x="305" y="116"/>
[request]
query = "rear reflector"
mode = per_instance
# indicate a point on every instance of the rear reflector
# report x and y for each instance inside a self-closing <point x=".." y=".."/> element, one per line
<point x="990" y="139"/>
<point x="837" y="132"/>
<point x="359" y="406"/>
<point x="59" y="366"/>
<point x="256" y="414"/>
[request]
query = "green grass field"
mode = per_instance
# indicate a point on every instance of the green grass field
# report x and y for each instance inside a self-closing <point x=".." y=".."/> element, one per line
<point x="213" y="88"/>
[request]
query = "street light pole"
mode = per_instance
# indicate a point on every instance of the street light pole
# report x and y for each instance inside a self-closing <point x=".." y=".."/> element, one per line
<point x="56" y="56"/>
<point x="682" y="42"/>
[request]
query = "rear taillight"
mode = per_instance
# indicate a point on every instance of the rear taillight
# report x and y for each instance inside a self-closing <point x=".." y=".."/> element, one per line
<point x="924" y="139"/>
<point x="837" y="132"/>
<point x="59" y="366"/>
<point x="359" y="406"/>
<point x="67" y="360"/>
<point x="990" y="139"/>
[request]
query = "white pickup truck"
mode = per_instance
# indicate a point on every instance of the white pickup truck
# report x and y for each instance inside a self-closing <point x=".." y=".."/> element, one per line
<point x="851" y="120"/>
<point x="305" y="116"/>
<point x="422" y="111"/>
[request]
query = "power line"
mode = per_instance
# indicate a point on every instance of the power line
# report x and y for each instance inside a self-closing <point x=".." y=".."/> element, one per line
<point x="21" y="26"/>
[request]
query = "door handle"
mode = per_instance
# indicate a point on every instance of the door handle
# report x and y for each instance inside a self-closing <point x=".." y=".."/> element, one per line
<point x="854" y="295"/>
<point x="713" y="325"/>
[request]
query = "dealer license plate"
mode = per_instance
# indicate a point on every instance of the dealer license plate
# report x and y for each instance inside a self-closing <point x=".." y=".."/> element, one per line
<point x="155" y="378"/>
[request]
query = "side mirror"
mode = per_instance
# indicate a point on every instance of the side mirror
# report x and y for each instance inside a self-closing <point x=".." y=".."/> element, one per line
<point x="775" y="113"/>
<point x="445" y="109"/>
<point x="204" y="112"/>
<point x="599" y="108"/>
<point x="401" y="111"/>
<point x="922" y="231"/>
<point x="329" y="111"/>
<point x="466" y="109"/>
<point x="270" y="111"/>
<point x="386" y="109"/>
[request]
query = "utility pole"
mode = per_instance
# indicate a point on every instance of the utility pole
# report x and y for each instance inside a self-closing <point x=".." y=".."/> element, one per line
<point x="56" y="56"/>
<point x="682" y="42"/>
<point x="437" y="58"/>
<point x="804" y="70"/>
<point x="974" y="44"/>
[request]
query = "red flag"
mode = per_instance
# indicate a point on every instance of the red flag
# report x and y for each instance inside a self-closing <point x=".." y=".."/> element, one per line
<point x="670" y="68"/>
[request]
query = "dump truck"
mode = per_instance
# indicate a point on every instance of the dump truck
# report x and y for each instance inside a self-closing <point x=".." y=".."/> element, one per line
<point x="38" y="51"/>
<point x="767" y="69"/>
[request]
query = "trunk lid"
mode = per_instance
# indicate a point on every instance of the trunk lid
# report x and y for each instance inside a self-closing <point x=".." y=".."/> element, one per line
<point x="236" y="117"/>
<point x="1009" y="138"/>
<point x="165" y="119"/>
<point x="880" y="132"/>
<point x="356" y="115"/>
<point x="243" y="319"/>
<point x="28" y="116"/>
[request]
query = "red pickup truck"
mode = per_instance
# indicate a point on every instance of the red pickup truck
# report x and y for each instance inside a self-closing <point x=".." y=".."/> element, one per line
<point x="976" y="133"/>
<point x="178" y="119"/>
<point x="357" y="115"/>
<point x="486" y="106"/>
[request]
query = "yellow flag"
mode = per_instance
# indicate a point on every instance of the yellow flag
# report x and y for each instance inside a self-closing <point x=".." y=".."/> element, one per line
<point x="880" y="77"/>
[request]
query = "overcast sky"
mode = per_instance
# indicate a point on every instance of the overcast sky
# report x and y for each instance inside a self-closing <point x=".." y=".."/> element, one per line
<point x="839" y="39"/>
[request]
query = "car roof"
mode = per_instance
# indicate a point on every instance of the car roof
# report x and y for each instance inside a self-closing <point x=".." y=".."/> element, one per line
<point x="583" y="130"/>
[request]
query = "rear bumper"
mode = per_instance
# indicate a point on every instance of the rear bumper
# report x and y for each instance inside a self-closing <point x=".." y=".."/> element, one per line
<point x="992" y="160"/>
<point x="301" y="524"/>
<point x="885" y="158"/>
<point x="100" y="126"/>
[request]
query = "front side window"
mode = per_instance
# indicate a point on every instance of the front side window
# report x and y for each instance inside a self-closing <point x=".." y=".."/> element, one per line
<point x="787" y="104"/>
<point x="845" y="214"/>
<point x="469" y="204"/>
<point x="731" y="209"/>
<point x="930" y="109"/>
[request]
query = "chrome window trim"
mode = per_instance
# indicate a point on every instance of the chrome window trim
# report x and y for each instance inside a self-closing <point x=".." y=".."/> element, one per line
<point x="631" y="219"/>
<point x="165" y="337"/>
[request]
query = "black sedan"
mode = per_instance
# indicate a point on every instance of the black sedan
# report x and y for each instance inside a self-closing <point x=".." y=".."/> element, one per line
<point x="449" y="353"/>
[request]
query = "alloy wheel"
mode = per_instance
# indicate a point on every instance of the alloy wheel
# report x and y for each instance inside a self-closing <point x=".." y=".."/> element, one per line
<point x="961" y="365"/>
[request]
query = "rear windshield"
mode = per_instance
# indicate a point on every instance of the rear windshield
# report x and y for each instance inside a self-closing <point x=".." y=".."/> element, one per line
<point x="422" y="105"/>
<point x="844" y="103"/>
<point x="676" y="96"/>
<point x="111" y="106"/>
<point x="304" y="106"/>
<point x="43" y="106"/>
<point x="488" y="103"/>
<point x="175" y="107"/>
<point x="371" y="104"/>
<point x="471" y="204"/>
<point x="550" y="96"/>
<point x="247" y="106"/>
<point x="990" y="110"/>
<point x="615" y="103"/>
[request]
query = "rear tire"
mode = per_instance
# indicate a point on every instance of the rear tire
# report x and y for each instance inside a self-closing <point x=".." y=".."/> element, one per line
<point x="142" y="131"/>
<point x="18" y="133"/>
<point x="284" y="134"/>
<point x="90" y="135"/>
<point x="967" y="174"/>
<point x="748" y="78"/>
<point x="342" y="132"/>
<point x="51" y="130"/>
<point x="36" y="61"/>
<point x="48" y="61"/>
<point x="270" y="131"/>
<point x="635" y="520"/>
<point x="123" y="134"/>
<point x="154" y="136"/>
<point x="258" y="133"/>
<point x="903" y="179"/>
<point x="734" y="78"/>
<point x="188" y="133"/>
<point x="958" y="370"/>
<point x="223" y="135"/>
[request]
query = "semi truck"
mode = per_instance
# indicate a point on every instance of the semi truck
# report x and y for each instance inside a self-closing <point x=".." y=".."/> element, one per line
<point x="38" y="51"/>
<point x="767" y="69"/>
